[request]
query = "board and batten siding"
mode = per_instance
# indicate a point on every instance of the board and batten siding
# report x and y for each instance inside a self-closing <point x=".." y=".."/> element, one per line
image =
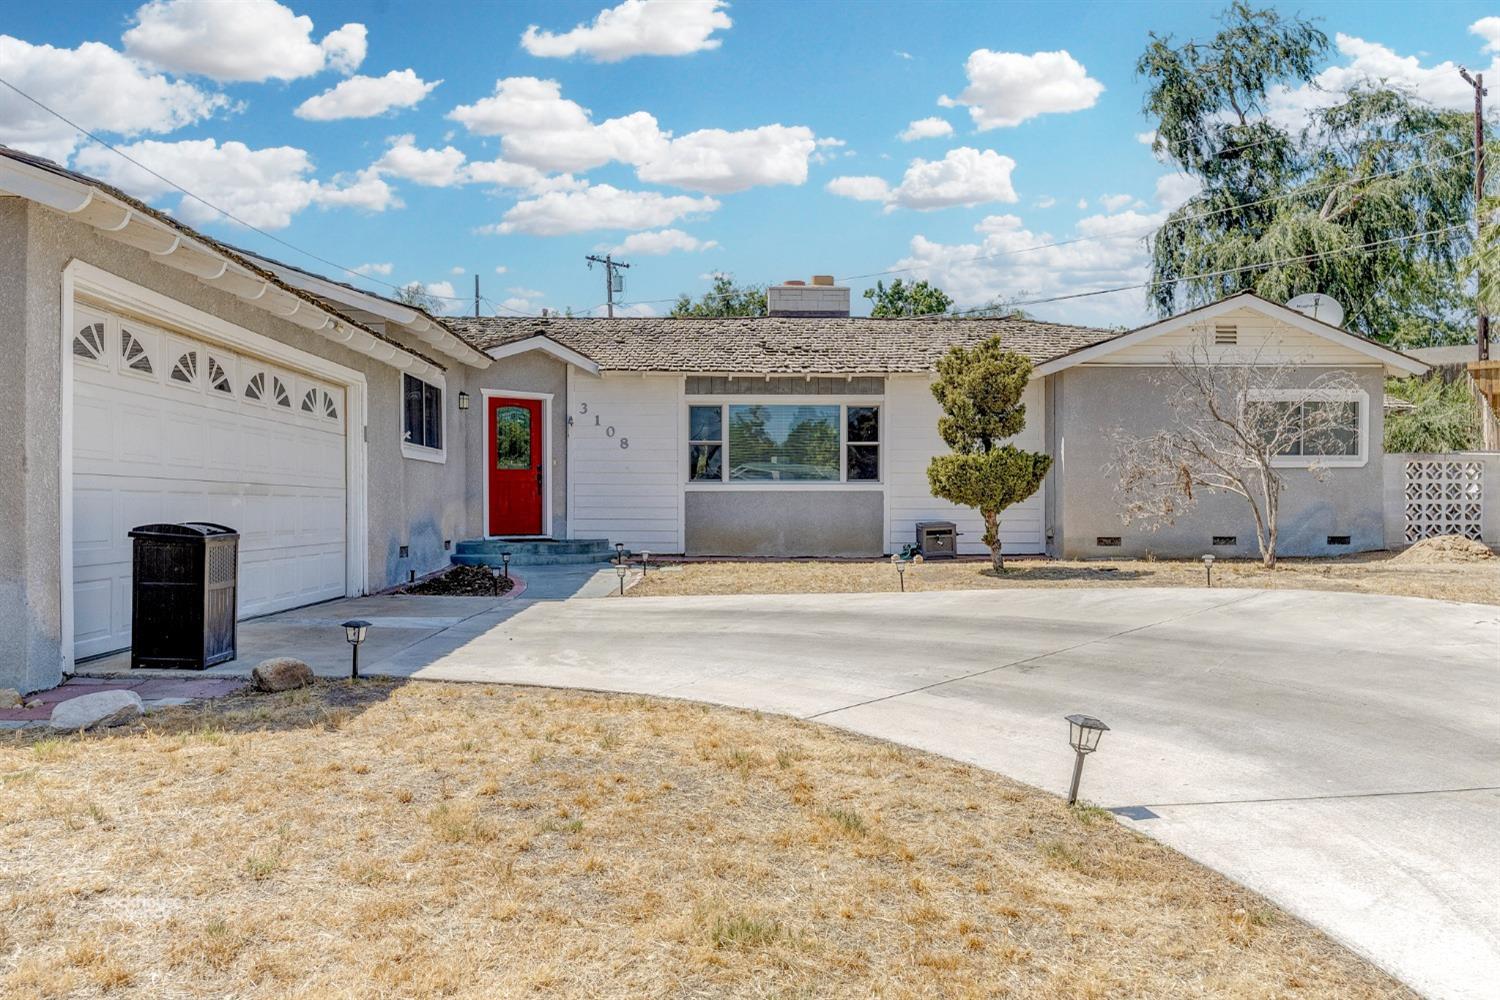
<point x="625" y="458"/>
<point x="1259" y="338"/>
<point x="911" y="440"/>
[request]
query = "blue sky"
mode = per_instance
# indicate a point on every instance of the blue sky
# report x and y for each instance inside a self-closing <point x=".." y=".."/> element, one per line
<point x="759" y="139"/>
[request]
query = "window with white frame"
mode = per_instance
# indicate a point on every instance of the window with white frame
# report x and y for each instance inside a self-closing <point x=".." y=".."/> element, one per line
<point x="819" y="442"/>
<point x="421" y="414"/>
<point x="1327" y="428"/>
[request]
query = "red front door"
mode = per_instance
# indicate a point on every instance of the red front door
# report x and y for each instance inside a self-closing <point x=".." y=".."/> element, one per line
<point x="515" y="466"/>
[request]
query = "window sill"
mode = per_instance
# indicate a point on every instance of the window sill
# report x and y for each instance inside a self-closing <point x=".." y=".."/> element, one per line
<point x="421" y="454"/>
<point x="753" y="485"/>
<point x="1341" y="462"/>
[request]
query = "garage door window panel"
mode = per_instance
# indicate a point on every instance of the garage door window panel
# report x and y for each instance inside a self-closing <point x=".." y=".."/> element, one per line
<point x="90" y="340"/>
<point x="136" y="348"/>
<point x="218" y="375"/>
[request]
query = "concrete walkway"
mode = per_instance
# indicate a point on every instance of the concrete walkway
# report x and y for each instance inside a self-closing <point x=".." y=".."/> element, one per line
<point x="1339" y="753"/>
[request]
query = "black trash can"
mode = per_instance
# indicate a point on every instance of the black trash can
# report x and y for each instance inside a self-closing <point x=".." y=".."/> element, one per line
<point x="183" y="595"/>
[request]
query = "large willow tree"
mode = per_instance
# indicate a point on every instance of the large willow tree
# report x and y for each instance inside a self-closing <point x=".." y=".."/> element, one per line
<point x="1328" y="205"/>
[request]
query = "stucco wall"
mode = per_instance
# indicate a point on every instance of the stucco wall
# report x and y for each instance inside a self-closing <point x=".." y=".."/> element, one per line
<point x="410" y="503"/>
<point x="748" y="522"/>
<point x="1094" y="403"/>
<point x="533" y="372"/>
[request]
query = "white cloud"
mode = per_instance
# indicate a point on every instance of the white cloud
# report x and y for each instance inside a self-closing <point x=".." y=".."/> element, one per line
<point x="1007" y="88"/>
<point x="528" y="293"/>
<point x="368" y="269"/>
<point x="517" y="304"/>
<point x="662" y="241"/>
<point x="428" y="167"/>
<point x="1371" y="62"/>
<point x="540" y="128"/>
<point x="1173" y="190"/>
<point x="1115" y="202"/>
<point x="1487" y="28"/>
<point x="366" y="96"/>
<point x="901" y="54"/>
<point x="965" y="176"/>
<point x="96" y="87"/>
<point x="263" y="187"/>
<point x="926" y="128"/>
<point x="1046" y="201"/>
<point x="1083" y="204"/>
<point x="721" y="162"/>
<point x="636" y="28"/>
<point x="1008" y="259"/>
<point x="628" y="309"/>
<point x="600" y="206"/>
<point x="501" y="269"/>
<point x="455" y="270"/>
<point x="248" y="40"/>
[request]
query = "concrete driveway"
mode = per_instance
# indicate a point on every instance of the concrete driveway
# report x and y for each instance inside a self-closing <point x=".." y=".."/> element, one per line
<point x="1338" y="753"/>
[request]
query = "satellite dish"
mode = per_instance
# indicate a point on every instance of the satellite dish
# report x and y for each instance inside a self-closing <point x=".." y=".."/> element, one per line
<point x="1323" y="308"/>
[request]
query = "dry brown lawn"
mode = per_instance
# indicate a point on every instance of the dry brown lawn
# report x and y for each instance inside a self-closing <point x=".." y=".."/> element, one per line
<point x="385" y="840"/>
<point x="1370" y="573"/>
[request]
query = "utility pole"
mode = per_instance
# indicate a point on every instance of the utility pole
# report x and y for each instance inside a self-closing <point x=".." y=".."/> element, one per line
<point x="476" y="295"/>
<point x="1477" y="82"/>
<point x="609" y="278"/>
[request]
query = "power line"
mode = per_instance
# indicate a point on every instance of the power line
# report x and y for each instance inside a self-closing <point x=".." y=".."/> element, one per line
<point x="1216" y="274"/>
<point x="222" y="211"/>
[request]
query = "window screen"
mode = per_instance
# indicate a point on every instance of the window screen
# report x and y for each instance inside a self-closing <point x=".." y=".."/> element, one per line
<point x="422" y="413"/>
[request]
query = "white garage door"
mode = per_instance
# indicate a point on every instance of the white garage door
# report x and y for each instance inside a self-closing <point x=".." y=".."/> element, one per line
<point x="166" y="428"/>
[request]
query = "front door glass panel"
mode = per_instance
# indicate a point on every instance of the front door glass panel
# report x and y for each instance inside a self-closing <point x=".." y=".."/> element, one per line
<point x="512" y="437"/>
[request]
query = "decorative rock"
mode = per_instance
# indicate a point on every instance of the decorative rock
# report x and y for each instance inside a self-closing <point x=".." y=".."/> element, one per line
<point x="96" y="711"/>
<point x="281" y="673"/>
<point x="10" y="698"/>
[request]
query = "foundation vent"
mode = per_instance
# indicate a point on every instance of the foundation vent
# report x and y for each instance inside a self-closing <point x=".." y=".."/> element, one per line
<point x="1108" y="541"/>
<point x="403" y="552"/>
<point x="1226" y="540"/>
<point x="1338" y="539"/>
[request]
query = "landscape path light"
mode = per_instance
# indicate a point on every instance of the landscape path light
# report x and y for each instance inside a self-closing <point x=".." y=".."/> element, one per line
<point x="620" y="570"/>
<point x="355" y="631"/>
<point x="505" y="564"/>
<point x="619" y="552"/>
<point x="494" y="572"/>
<point x="1208" y="567"/>
<point x="645" y="562"/>
<point x="1083" y="734"/>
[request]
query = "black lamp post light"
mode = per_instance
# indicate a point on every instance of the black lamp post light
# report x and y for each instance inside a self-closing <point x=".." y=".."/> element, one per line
<point x="1208" y="567"/>
<point x="505" y="564"/>
<point x="901" y="564"/>
<point x="355" y="631"/>
<point x="620" y="570"/>
<point x="645" y="562"/>
<point x="494" y="579"/>
<point x="619" y="552"/>
<point x="1083" y="734"/>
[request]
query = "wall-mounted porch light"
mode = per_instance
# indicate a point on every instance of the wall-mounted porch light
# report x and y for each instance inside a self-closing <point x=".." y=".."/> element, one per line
<point x="463" y="400"/>
<point x="1083" y="735"/>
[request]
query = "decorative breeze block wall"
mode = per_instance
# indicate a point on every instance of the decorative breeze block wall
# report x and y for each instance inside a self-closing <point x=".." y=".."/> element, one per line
<point x="1444" y="498"/>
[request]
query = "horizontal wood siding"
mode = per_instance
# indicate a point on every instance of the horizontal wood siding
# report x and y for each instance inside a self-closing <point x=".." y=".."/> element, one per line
<point x="1260" y="338"/>
<point x="910" y="429"/>
<point x="626" y="494"/>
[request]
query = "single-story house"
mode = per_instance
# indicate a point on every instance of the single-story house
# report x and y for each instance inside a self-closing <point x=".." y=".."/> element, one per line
<point x="157" y="374"/>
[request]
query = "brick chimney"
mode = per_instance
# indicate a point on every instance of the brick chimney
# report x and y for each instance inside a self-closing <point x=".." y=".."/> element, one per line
<point x="820" y="299"/>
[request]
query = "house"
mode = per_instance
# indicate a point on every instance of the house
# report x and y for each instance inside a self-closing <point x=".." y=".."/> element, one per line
<point x="157" y="374"/>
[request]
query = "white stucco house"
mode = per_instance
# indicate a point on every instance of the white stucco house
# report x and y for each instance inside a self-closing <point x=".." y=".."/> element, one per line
<point x="157" y="374"/>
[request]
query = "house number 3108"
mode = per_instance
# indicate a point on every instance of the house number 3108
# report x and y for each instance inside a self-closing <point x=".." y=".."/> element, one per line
<point x="609" y="431"/>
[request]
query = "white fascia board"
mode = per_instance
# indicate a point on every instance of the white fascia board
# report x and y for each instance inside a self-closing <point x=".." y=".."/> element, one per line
<point x="547" y="346"/>
<point x="1394" y="361"/>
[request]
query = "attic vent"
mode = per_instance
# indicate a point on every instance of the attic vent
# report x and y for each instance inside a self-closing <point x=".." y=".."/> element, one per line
<point x="1108" y="541"/>
<point x="1226" y="333"/>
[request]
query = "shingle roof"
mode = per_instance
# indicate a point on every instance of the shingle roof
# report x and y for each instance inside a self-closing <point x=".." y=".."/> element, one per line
<point x="217" y="246"/>
<point x="775" y="345"/>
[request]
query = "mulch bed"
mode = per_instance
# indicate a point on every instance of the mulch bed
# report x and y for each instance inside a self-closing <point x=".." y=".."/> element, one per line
<point x="461" y="581"/>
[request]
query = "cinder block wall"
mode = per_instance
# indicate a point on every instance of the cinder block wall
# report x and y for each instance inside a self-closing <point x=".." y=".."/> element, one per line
<point x="1395" y="502"/>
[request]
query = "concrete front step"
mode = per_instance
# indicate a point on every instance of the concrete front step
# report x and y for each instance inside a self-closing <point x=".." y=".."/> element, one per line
<point x="487" y="552"/>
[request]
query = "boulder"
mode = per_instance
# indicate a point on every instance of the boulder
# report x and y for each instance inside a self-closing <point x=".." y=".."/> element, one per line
<point x="96" y="711"/>
<point x="10" y="698"/>
<point x="281" y="673"/>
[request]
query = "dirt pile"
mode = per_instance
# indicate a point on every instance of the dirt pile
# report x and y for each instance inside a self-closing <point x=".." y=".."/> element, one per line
<point x="1444" y="549"/>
